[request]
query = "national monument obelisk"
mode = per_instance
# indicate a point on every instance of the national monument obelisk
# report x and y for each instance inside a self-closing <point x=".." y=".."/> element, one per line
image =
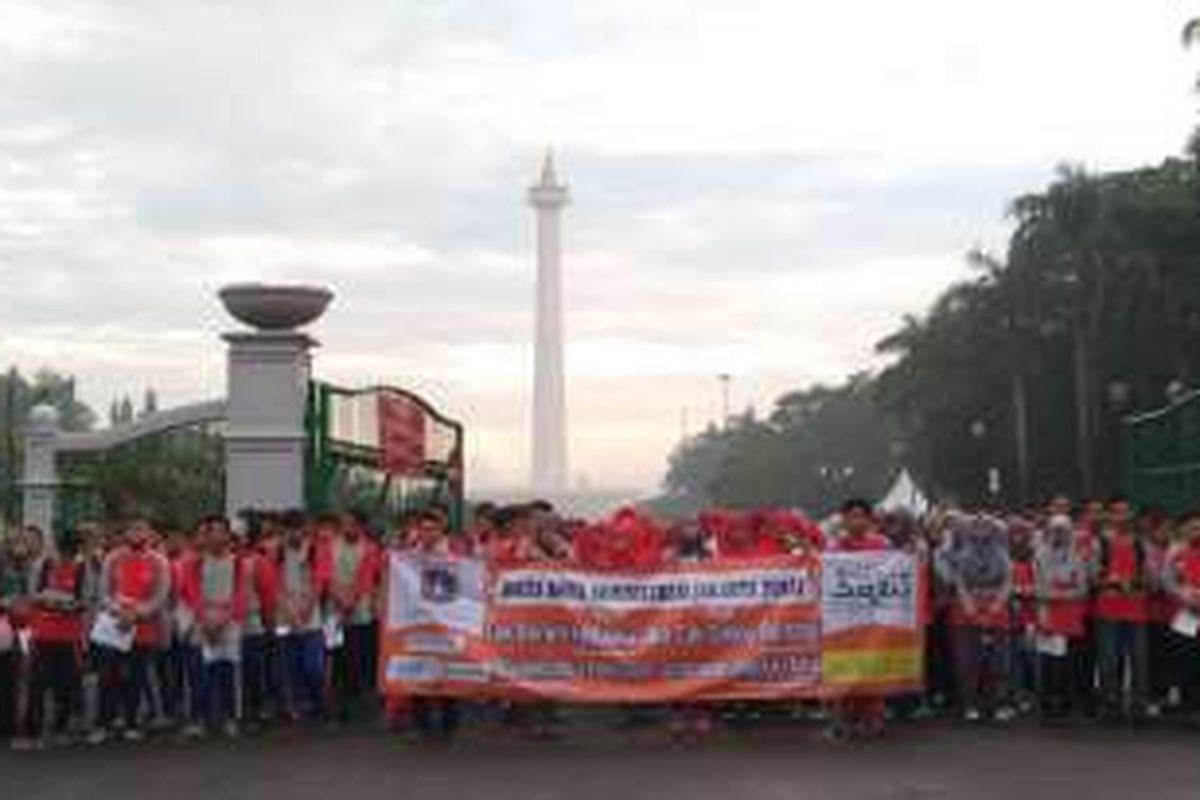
<point x="548" y="476"/>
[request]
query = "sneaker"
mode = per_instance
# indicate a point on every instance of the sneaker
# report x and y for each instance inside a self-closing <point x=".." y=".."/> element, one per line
<point x="1005" y="714"/>
<point x="230" y="729"/>
<point x="1153" y="710"/>
<point x="97" y="737"/>
<point x="193" y="731"/>
<point x="22" y="744"/>
<point x="133" y="735"/>
<point x="972" y="715"/>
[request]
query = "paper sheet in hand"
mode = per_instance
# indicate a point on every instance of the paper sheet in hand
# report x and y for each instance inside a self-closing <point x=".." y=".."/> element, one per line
<point x="226" y="649"/>
<point x="107" y="632"/>
<point x="1052" y="645"/>
<point x="1186" y="623"/>
<point x="335" y="637"/>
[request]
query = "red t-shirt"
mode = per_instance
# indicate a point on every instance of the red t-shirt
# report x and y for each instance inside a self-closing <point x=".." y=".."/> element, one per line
<point x="134" y="574"/>
<point x="1024" y="603"/>
<point x="871" y="541"/>
<point x="52" y="625"/>
<point x="748" y="546"/>
<point x="1122" y="567"/>
<point x="1185" y="564"/>
<point x="620" y="548"/>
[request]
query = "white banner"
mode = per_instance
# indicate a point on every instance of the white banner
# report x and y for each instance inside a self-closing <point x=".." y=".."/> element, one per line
<point x="436" y="591"/>
<point x="868" y="589"/>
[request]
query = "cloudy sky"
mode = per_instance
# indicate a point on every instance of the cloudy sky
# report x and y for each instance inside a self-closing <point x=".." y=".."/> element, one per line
<point x="761" y="187"/>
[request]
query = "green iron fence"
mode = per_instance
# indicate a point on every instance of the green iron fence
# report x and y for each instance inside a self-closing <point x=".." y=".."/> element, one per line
<point x="1161" y="454"/>
<point x="344" y="469"/>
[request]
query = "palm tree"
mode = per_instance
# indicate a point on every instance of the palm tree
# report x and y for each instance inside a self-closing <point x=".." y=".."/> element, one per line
<point x="1191" y="37"/>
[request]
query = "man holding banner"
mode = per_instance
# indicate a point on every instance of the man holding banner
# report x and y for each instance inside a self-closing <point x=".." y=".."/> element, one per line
<point x="858" y="714"/>
<point x="842" y="627"/>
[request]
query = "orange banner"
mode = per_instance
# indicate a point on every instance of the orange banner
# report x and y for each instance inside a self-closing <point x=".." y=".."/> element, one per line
<point x="709" y="631"/>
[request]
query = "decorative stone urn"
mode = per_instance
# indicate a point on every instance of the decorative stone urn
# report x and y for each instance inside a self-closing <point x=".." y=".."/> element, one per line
<point x="275" y="307"/>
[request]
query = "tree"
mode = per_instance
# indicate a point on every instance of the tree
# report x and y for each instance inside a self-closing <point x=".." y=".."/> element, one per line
<point x="1094" y="311"/>
<point x="18" y="395"/>
<point x="1191" y="37"/>
<point x="817" y="446"/>
<point x="171" y="478"/>
<point x="149" y="402"/>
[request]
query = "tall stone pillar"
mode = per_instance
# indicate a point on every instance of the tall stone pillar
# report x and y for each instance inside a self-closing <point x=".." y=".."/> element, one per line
<point x="268" y="378"/>
<point x="39" y="479"/>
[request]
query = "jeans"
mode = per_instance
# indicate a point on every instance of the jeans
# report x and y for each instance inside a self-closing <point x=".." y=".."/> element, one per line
<point x="1122" y="650"/>
<point x="1083" y="679"/>
<point x="354" y="668"/>
<point x="169" y="672"/>
<point x="942" y="690"/>
<point x="193" y="673"/>
<point x="981" y="658"/>
<point x="10" y="672"/>
<point x="304" y="666"/>
<point x="258" y="676"/>
<point x="1185" y="656"/>
<point x="1159" y="666"/>
<point x="1023" y="666"/>
<point x="435" y="717"/>
<point x="122" y="683"/>
<point x="56" y="670"/>
<point x="219" y="693"/>
<point x="1058" y="693"/>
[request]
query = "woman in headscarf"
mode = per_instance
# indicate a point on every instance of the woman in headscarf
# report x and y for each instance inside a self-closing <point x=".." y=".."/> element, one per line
<point x="976" y="566"/>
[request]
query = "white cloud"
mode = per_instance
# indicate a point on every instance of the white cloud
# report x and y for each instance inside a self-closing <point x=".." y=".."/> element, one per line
<point x="760" y="188"/>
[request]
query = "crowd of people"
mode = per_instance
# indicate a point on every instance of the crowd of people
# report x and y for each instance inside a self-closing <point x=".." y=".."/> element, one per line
<point x="123" y="631"/>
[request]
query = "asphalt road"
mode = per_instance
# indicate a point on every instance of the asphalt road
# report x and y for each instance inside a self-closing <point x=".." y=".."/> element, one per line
<point x="933" y="760"/>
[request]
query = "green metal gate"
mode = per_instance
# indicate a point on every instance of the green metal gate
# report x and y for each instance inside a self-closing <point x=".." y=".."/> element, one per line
<point x="1161" y="453"/>
<point x="345" y="467"/>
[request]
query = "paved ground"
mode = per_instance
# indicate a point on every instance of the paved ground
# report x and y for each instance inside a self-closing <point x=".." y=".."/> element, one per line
<point x="912" y="763"/>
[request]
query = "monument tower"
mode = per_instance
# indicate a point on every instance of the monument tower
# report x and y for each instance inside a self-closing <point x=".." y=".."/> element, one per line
<point x="549" y="468"/>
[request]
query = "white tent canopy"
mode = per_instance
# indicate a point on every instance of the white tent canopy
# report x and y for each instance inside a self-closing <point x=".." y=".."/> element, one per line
<point x="904" y="493"/>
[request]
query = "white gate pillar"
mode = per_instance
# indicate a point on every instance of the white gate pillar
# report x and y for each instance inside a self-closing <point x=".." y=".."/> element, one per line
<point x="39" y="479"/>
<point x="268" y="376"/>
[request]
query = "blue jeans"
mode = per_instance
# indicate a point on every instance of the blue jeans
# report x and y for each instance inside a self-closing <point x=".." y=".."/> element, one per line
<point x="1122" y="648"/>
<point x="258" y="679"/>
<point x="194" y="679"/>
<point x="122" y="684"/>
<point x="304" y="665"/>
<point x="1023" y="665"/>
<point x="219" y="692"/>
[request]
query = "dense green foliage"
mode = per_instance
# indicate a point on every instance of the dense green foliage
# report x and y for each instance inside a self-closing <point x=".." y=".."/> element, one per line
<point x="815" y="447"/>
<point x="170" y="478"/>
<point x="18" y="395"/>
